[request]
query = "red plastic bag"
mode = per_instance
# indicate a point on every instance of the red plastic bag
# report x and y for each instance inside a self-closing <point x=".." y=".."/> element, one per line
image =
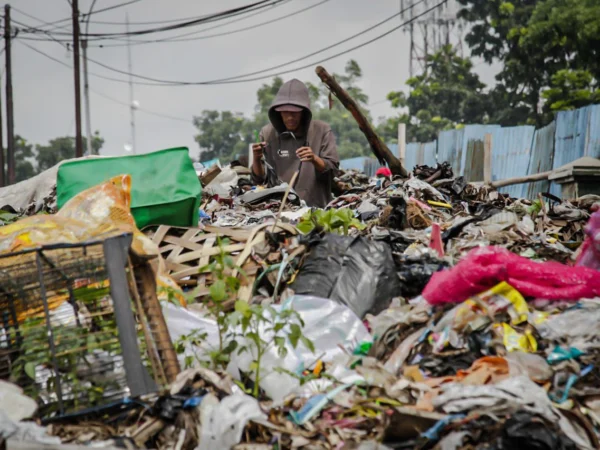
<point x="590" y="251"/>
<point x="483" y="268"/>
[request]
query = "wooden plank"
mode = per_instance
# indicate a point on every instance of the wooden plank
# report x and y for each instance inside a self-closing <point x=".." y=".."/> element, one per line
<point x="487" y="158"/>
<point x="12" y="444"/>
<point x="208" y="252"/>
<point x="205" y="260"/>
<point x="160" y="233"/>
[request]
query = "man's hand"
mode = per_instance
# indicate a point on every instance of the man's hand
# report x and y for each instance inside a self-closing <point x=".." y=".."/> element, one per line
<point x="258" y="149"/>
<point x="257" y="154"/>
<point x="307" y="155"/>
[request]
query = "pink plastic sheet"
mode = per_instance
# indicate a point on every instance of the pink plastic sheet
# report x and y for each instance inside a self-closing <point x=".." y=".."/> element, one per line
<point x="483" y="268"/>
<point x="590" y="253"/>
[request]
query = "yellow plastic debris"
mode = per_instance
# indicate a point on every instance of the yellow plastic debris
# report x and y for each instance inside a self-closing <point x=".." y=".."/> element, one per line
<point x="443" y="205"/>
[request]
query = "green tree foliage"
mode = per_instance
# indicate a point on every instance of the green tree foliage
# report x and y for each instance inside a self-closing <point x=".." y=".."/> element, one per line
<point x="447" y="94"/>
<point x="543" y="45"/>
<point x="226" y="135"/>
<point x="24" y="157"/>
<point x="62" y="148"/>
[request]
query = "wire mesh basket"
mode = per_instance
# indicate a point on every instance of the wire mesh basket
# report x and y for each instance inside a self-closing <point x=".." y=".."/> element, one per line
<point x="81" y="326"/>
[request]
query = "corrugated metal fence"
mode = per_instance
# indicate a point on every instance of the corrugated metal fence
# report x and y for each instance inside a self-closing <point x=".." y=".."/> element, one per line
<point x="515" y="151"/>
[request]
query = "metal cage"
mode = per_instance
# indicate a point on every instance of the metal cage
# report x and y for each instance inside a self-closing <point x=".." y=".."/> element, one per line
<point x="81" y="326"/>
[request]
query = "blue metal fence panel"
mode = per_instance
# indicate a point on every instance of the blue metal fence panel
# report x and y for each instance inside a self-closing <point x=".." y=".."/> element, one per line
<point x="511" y="151"/>
<point x="412" y="155"/>
<point x="592" y="147"/>
<point x="429" y="153"/>
<point x="471" y="158"/>
<point x="450" y="148"/>
<point x="394" y="149"/>
<point x="357" y="163"/>
<point x="541" y="159"/>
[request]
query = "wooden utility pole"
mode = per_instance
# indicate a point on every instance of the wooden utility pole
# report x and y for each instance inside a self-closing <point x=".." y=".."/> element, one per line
<point x="381" y="151"/>
<point x="2" y="162"/>
<point x="10" y="123"/>
<point x="77" y="76"/>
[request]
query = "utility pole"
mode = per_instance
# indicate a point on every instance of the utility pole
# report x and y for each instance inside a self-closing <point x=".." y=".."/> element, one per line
<point x="77" y="77"/>
<point x="86" y="95"/>
<point x="10" y="124"/>
<point x="2" y="171"/>
<point x="131" y="104"/>
<point x="86" y="85"/>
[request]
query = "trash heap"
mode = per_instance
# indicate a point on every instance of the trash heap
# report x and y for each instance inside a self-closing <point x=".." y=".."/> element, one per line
<point x="427" y="313"/>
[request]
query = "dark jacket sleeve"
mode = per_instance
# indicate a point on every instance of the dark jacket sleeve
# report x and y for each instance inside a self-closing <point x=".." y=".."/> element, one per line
<point x="328" y="153"/>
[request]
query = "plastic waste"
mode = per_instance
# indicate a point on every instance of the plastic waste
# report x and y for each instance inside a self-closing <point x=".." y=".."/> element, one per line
<point x="165" y="189"/>
<point x="590" y="253"/>
<point x="515" y="341"/>
<point x="414" y="272"/>
<point x="330" y="326"/>
<point x="563" y="354"/>
<point x="349" y="270"/>
<point x="524" y="430"/>
<point x="223" y="422"/>
<point x="529" y="364"/>
<point x="482" y="268"/>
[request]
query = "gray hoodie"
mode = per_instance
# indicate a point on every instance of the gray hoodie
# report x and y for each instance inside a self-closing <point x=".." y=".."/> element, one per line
<point x="312" y="186"/>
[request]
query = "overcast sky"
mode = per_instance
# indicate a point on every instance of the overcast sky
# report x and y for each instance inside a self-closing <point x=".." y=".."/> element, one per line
<point x="43" y="89"/>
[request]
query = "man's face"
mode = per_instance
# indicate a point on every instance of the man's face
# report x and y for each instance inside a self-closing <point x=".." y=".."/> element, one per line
<point x="291" y="120"/>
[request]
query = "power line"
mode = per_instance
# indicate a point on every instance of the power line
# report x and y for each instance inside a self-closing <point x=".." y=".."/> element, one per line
<point x="237" y="77"/>
<point x="223" y="14"/>
<point x="67" y="19"/>
<point x="141" y="83"/>
<point x="153" y="113"/>
<point x="100" y="94"/>
<point x="183" y="38"/>
<point x="159" y="22"/>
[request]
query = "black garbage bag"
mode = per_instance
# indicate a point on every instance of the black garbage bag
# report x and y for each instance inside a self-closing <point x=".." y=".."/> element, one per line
<point x="353" y="271"/>
<point x="414" y="272"/>
<point x="524" y="431"/>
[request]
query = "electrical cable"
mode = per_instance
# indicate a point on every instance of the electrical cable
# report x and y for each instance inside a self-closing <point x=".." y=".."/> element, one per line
<point x="147" y="111"/>
<point x="141" y="83"/>
<point x="237" y="78"/>
<point x="253" y="6"/>
<point x="33" y="30"/>
<point x="183" y="38"/>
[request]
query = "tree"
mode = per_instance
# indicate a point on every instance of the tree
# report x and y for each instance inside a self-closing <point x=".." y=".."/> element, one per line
<point x="535" y="40"/>
<point x="24" y="156"/>
<point x="62" y="148"/>
<point x="448" y="93"/>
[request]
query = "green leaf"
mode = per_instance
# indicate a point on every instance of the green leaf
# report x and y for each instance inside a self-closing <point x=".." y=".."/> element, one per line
<point x="294" y="335"/>
<point x="279" y="341"/>
<point x="30" y="370"/>
<point x="242" y="307"/>
<point x="308" y="343"/>
<point x="218" y="291"/>
<point x="230" y="347"/>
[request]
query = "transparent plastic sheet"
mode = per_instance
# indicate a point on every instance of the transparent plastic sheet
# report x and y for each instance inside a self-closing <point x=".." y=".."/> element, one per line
<point x="482" y="268"/>
<point x="328" y="325"/>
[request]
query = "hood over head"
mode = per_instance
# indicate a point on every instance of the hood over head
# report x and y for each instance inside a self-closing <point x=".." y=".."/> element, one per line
<point x="293" y="92"/>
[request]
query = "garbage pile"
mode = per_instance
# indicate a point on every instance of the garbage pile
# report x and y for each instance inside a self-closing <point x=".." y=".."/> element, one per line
<point x="427" y="313"/>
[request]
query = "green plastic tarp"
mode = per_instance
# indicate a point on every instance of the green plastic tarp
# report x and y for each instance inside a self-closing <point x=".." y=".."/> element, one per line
<point x="165" y="189"/>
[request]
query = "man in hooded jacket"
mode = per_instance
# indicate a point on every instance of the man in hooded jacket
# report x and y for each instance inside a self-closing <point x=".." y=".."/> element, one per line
<point x="294" y="141"/>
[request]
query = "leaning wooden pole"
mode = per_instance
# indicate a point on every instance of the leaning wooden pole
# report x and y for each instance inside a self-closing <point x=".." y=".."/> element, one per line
<point x="381" y="151"/>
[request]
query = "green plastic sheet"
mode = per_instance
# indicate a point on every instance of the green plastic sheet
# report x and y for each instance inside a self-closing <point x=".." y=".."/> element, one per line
<point x="165" y="189"/>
